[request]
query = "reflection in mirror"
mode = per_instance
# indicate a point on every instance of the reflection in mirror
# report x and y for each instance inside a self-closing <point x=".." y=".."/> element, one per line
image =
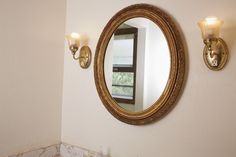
<point x="137" y="64"/>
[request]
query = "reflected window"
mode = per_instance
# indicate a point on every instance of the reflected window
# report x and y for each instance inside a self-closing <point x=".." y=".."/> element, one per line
<point x="124" y="65"/>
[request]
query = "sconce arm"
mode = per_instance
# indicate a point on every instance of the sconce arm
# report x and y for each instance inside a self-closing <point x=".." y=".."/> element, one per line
<point x="76" y="58"/>
<point x="79" y="57"/>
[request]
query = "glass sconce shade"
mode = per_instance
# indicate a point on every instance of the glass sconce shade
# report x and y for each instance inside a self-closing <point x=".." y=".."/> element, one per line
<point x="210" y="27"/>
<point x="73" y="41"/>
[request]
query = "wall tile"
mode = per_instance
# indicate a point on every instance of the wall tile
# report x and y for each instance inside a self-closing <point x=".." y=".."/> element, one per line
<point x="59" y="150"/>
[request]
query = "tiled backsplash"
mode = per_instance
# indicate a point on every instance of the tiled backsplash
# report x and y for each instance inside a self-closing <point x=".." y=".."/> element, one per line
<point x="50" y="151"/>
<point x="67" y="150"/>
<point x="59" y="150"/>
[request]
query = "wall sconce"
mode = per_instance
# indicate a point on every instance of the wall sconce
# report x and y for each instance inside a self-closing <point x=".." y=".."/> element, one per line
<point x="85" y="52"/>
<point x="215" y="52"/>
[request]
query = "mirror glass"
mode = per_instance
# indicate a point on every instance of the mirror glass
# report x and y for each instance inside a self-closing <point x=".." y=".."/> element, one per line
<point x="137" y="64"/>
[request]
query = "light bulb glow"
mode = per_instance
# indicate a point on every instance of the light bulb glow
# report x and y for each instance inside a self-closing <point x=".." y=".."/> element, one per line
<point x="75" y="35"/>
<point x="211" y="20"/>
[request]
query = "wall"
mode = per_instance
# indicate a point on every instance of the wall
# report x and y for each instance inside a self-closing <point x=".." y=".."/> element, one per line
<point x="157" y="64"/>
<point x="203" y="121"/>
<point x="141" y="37"/>
<point x="31" y="66"/>
<point x="139" y="95"/>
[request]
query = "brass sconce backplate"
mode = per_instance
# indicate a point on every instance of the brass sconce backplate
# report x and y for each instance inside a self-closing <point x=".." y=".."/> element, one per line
<point x="215" y="54"/>
<point x="85" y="57"/>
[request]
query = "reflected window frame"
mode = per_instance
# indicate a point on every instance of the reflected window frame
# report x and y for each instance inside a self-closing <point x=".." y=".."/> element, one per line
<point x="131" y="69"/>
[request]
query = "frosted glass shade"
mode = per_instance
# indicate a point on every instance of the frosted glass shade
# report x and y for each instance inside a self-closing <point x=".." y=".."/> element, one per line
<point x="73" y="39"/>
<point x="210" y="27"/>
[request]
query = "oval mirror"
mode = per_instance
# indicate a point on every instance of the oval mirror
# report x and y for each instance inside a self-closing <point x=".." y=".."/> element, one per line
<point x="139" y="64"/>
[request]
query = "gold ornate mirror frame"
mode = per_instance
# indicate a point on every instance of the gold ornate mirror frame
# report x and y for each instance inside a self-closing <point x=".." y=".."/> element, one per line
<point x="177" y="67"/>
